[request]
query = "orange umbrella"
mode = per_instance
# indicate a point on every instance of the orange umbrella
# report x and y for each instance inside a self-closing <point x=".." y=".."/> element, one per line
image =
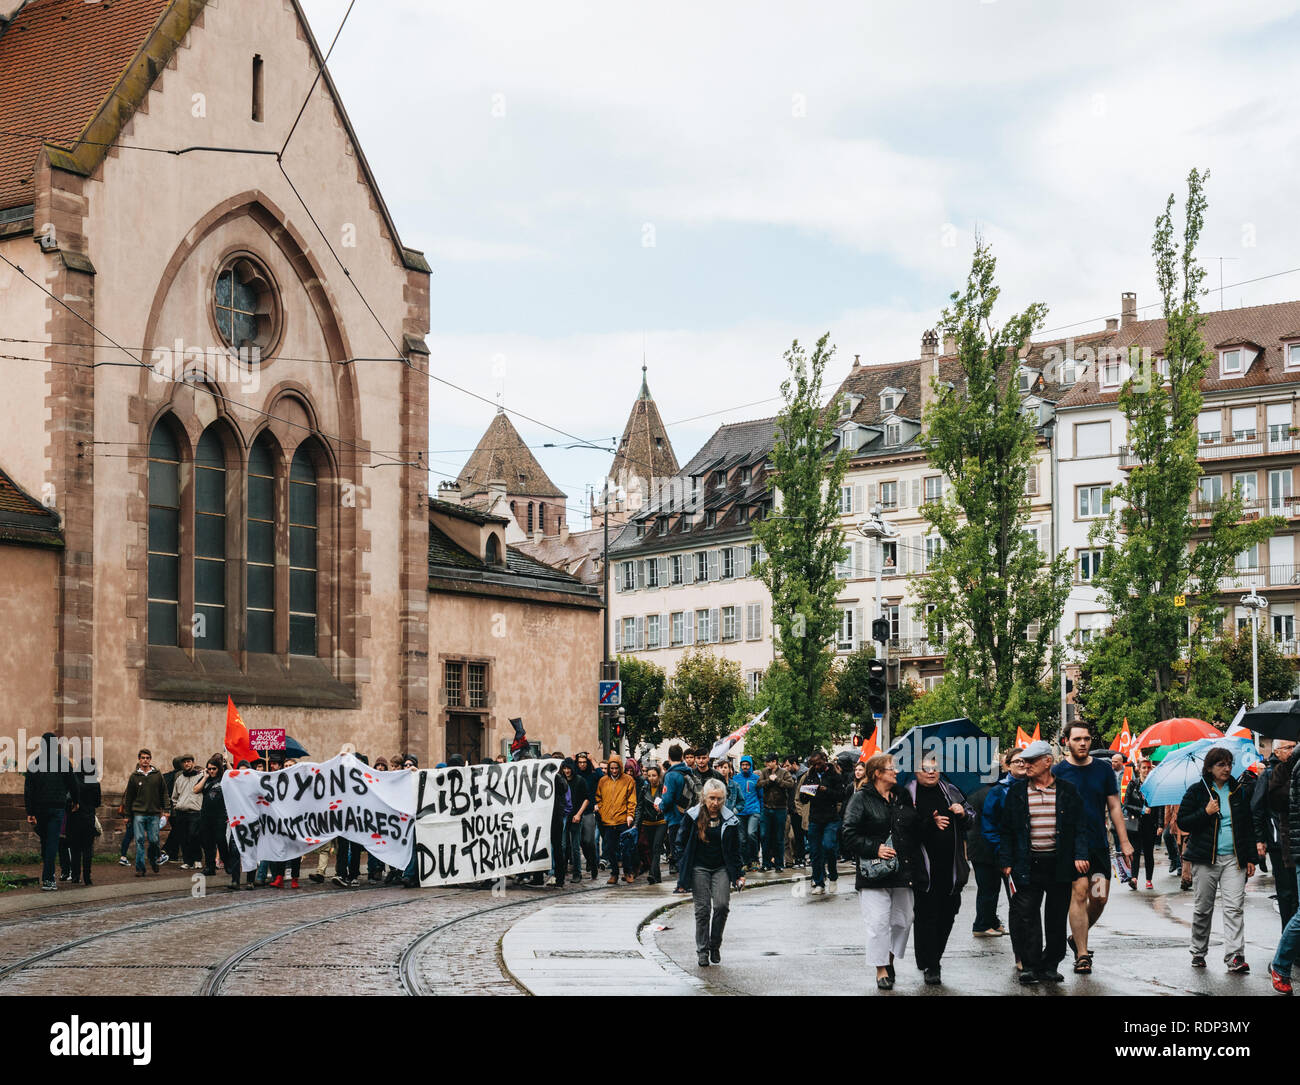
<point x="1172" y="732"/>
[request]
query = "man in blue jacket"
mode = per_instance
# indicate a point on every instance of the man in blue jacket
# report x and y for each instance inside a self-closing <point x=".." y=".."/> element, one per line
<point x="674" y="777"/>
<point x="749" y="811"/>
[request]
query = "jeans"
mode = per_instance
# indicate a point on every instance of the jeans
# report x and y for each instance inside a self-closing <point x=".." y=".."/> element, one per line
<point x="821" y="842"/>
<point x="128" y="836"/>
<point x="651" y="847"/>
<point x="1208" y="880"/>
<point x="749" y="827"/>
<point x="146" y="829"/>
<point x="988" y="887"/>
<point x="1039" y="939"/>
<point x="934" y="914"/>
<point x="609" y="835"/>
<point x="774" y="839"/>
<point x="49" y="820"/>
<point x="711" y="891"/>
<point x="1285" y="955"/>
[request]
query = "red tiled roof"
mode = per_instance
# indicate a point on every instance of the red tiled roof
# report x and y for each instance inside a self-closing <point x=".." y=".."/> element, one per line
<point x="59" y="62"/>
<point x="502" y="454"/>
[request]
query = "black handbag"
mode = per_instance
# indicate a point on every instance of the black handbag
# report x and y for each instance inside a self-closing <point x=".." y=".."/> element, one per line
<point x="879" y="870"/>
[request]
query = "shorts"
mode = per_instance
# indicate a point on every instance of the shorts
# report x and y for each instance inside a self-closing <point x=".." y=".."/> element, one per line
<point x="1098" y="863"/>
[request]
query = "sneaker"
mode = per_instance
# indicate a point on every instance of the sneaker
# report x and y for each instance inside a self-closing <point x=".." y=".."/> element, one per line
<point x="276" y="882"/>
<point x="49" y="887"/>
<point x="353" y="883"/>
<point x="293" y="884"/>
<point x="550" y="879"/>
<point x="715" y="955"/>
<point x="317" y="878"/>
<point x="1198" y="960"/>
<point x="680" y="889"/>
<point x="163" y="858"/>
<point x="340" y="881"/>
<point x="185" y="866"/>
<point x="702" y="958"/>
<point x="1238" y="965"/>
<point x="123" y="861"/>
<point x="1150" y="886"/>
<point x="817" y="891"/>
<point x="1281" y="983"/>
<point x="66" y="876"/>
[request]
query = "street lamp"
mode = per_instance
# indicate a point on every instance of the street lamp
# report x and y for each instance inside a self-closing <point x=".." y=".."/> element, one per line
<point x="875" y="527"/>
<point x="1255" y="602"/>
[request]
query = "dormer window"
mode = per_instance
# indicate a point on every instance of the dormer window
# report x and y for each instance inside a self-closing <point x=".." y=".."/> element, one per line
<point x="890" y="398"/>
<point x="848" y="438"/>
<point x="1111" y="373"/>
<point x="1230" y="362"/>
<point x="1026" y="381"/>
<point x="745" y="475"/>
<point x="893" y="434"/>
<point x="640" y="531"/>
<point x="1292" y="351"/>
<point x="1069" y="372"/>
<point x="492" y="552"/>
<point x="710" y="519"/>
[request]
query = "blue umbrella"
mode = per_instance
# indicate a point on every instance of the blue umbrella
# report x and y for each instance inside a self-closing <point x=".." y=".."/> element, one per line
<point x="1170" y="779"/>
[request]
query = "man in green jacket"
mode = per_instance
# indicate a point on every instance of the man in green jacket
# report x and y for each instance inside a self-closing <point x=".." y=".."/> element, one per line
<point x="145" y="801"/>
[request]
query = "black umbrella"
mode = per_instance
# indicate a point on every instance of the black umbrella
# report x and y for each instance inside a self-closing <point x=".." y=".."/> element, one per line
<point x="293" y="748"/>
<point x="1275" y="719"/>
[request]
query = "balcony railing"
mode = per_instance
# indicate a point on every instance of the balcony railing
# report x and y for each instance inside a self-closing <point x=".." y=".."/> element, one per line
<point x="909" y="649"/>
<point x="1261" y="576"/>
<point x="1253" y="509"/>
<point x="1230" y="448"/>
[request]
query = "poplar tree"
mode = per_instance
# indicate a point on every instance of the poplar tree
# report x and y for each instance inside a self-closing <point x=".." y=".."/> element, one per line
<point x="996" y="597"/>
<point x="803" y="541"/>
<point x="1159" y="589"/>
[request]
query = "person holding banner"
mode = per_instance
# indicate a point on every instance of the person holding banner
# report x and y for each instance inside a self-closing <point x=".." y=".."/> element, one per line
<point x="708" y="864"/>
<point x="616" y="808"/>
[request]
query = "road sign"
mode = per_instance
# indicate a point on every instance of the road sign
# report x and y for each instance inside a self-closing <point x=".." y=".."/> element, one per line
<point x="611" y="694"/>
<point x="1180" y="600"/>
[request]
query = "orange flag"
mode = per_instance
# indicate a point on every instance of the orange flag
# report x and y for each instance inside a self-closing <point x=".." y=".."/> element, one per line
<point x="869" y="748"/>
<point x="237" y="741"/>
<point x="1037" y="737"/>
<point x="1022" y="739"/>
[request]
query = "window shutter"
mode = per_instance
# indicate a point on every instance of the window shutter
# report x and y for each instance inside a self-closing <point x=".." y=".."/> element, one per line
<point x="857" y="500"/>
<point x="871" y="496"/>
<point x="904" y="555"/>
<point x="859" y="634"/>
<point x="916" y="493"/>
<point x="663" y="571"/>
<point x="859" y="569"/>
<point x="713" y="565"/>
<point x="640" y="573"/>
<point x="618" y="577"/>
<point x="618" y="635"/>
<point x="714" y="629"/>
<point x="665" y="630"/>
<point x="688" y="568"/>
<point x="640" y="634"/>
<point x="688" y="627"/>
<point x="922" y="565"/>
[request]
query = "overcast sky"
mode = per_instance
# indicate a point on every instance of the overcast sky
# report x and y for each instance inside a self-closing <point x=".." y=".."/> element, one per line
<point x="715" y="180"/>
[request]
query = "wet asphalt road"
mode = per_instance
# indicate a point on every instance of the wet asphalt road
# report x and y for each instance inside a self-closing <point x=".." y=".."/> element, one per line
<point x="780" y="940"/>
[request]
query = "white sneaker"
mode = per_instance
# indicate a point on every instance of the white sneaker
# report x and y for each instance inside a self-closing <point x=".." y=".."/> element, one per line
<point x="550" y="879"/>
<point x="816" y="891"/>
<point x="185" y="866"/>
<point x="832" y="887"/>
<point x="163" y="858"/>
<point x="123" y="861"/>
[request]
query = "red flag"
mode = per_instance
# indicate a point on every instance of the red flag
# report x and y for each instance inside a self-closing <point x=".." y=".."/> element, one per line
<point x="869" y="748"/>
<point x="1022" y="739"/>
<point x="237" y="741"/>
<point x="1037" y="737"/>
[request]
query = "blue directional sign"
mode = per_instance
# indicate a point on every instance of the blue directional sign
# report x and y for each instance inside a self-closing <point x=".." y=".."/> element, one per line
<point x="611" y="694"/>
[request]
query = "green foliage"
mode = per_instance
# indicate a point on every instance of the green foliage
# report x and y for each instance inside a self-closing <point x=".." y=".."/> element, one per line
<point x="996" y="599"/>
<point x="699" y="702"/>
<point x="1135" y="669"/>
<point x="643" y="693"/>
<point x="803" y="541"/>
<point x="1277" y="673"/>
<point x="849" y="698"/>
<point x="939" y="704"/>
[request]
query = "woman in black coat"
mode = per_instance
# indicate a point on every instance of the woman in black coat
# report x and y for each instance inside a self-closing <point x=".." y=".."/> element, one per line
<point x="880" y="823"/>
<point x="942" y="818"/>
<point x="81" y="823"/>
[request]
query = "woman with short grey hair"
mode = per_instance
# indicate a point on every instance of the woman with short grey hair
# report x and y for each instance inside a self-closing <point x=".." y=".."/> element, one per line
<point x="708" y="863"/>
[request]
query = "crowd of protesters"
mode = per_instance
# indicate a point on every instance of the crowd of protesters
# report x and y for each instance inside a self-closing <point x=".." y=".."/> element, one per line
<point x="1038" y="835"/>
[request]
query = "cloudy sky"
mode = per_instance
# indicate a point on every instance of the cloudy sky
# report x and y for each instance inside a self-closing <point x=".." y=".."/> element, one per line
<point x="708" y="182"/>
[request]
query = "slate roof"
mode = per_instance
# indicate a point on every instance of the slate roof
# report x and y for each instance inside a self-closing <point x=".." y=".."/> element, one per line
<point x="579" y="554"/>
<point x="1268" y="326"/>
<point x="502" y="454"/>
<point x="446" y="557"/>
<point x="473" y="515"/>
<point x="23" y="519"/>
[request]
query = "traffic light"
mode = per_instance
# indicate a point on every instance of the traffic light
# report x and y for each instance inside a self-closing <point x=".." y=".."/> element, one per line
<point x="876" y="686"/>
<point x="880" y="630"/>
<point x="620" y="723"/>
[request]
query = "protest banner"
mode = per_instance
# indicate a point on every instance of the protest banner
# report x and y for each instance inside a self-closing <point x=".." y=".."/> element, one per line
<point x="484" y="821"/>
<point x="277" y="816"/>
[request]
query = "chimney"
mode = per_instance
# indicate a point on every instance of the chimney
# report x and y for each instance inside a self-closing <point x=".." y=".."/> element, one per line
<point x="1128" y="308"/>
<point x="929" y="344"/>
<point x="564" y="534"/>
<point x="9" y="8"/>
<point x="857" y="360"/>
<point x="449" y="492"/>
<point x="496" y="492"/>
<point x="1112" y="324"/>
<point x="949" y="344"/>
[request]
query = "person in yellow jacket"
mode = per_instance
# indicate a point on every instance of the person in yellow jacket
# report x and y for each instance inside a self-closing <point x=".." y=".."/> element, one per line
<point x="615" y="810"/>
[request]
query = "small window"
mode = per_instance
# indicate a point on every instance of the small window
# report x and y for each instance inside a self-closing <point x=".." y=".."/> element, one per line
<point x="745" y="475"/>
<point x="1069" y="372"/>
<point x="844" y="639"/>
<point x="1230" y="362"/>
<point x="887" y="403"/>
<point x="1026" y="382"/>
<point x="933" y="489"/>
<point x="1089" y="564"/>
<point x="257" y="89"/>
<point x="1293" y="356"/>
<point x="246" y="306"/>
<point x="492" y="552"/>
<point x="454" y="685"/>
<point x="893" y="434"/>
<point x="1093" y="501"/>
<point x="889" y="495"/>
<point x="710" y="519"/>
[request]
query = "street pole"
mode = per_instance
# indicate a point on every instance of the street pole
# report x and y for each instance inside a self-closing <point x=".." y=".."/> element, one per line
<point x="874" y="527"/>
<point x="604" y="670"/>
<point x="1256" y="603"/>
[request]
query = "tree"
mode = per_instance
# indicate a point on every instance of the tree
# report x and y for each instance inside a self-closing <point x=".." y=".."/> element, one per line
<point x="934" y="706"/>
<point x="803" y="542"/>
<point x="1136" y="669"/>
<point x="991" y="595"/>
<point x="1277" y="673"/>
<point x="643" y="693"/>
<point x="701" y="698"/>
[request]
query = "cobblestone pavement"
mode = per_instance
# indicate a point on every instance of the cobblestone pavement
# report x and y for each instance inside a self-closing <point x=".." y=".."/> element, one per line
<point x="310" y="941"/>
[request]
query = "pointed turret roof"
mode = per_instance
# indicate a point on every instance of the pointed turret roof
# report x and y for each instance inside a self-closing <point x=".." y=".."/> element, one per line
<point x="502" y="454"/>
<point x="645" y="449"/>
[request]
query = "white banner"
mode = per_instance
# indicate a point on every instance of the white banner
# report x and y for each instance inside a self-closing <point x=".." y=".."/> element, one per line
<point x="277" y="816"/>
<point x="484" y="821"/>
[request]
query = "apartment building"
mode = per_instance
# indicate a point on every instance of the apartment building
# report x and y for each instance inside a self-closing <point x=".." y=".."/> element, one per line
<point x="1248" y="443"/>
<point x="681" y="569"/>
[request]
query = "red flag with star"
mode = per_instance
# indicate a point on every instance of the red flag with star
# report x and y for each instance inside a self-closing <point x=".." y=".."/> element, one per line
<point x="237" y="741"/>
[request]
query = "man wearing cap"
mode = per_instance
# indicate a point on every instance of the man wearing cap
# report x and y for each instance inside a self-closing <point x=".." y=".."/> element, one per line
<point x="1042" y="848"/>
